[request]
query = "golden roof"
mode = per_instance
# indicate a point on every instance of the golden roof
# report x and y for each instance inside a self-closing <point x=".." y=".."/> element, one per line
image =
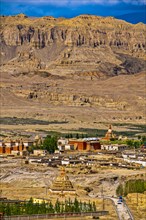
<point x="62" y="182"/>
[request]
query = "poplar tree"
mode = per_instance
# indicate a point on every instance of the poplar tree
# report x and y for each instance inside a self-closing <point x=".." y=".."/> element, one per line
<point x="57" y="206"/>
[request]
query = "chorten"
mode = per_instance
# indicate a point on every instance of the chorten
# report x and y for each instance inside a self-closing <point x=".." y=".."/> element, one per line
<point x="109" y="134"/>
<point x="62" y="184"/>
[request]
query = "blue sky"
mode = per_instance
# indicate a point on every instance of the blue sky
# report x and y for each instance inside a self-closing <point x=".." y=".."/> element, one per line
<point x="133" y="11"/>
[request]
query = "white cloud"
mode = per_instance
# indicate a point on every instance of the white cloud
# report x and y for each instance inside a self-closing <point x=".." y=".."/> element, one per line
<point x="77" y="2"/>
<point x="101" y="2"/>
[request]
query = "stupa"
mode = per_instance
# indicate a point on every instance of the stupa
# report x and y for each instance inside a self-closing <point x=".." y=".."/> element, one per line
<point x="62" y="184"/>
<point x="109" y="134"/>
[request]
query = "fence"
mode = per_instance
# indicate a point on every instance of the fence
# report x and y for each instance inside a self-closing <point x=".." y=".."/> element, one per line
<point x="128" y="210"/>
<point x="59" y="215"/>
<point x="115" y="209"/>
<point x="51" y="216"/>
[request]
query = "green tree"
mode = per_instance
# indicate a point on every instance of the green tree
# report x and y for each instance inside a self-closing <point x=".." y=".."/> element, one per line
<point x="62" y="207"/>
<point x="139" y="137"/>
<point x="129" y="143"/>
<point x="57" y="206"/>
<point x="29" y="207"/>
<point x="70" y="135"/>
<point x="94" y="207"/>
<point x="119" y="190"/>
<point x="67" y="207"/>
<point x="43" y="207"/>
<point x="51" y="208"/>
<point x="70" y="206"/>
<point x="8" y="209"/>
<point x="76" y="205"/>
<point x="134" y="186"/>
<point x="17" y="208"/>
<point x="77" y="136"/>
<point x="137" y="144"/>
<point x="143" y="139"/>
<point x="85" y="209"/>
<point x="81" y="206"/>
<point x="67" y="136"/>
<point x="90" y="208"/>
<point x="36" y="208"/>
<point x="50" y="144"/>
<point x="144" y="185"/>
<point x="82" y="135"/>
<point x="2" y="207"/>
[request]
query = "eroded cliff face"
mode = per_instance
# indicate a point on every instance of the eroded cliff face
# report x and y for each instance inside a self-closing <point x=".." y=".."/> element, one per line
<point x="81" y="44"/>
<point x="76" y="100"/>
<point x="87" y="68"/>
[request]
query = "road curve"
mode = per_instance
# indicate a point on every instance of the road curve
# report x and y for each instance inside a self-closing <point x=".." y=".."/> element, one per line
<point x="122" y="209"/>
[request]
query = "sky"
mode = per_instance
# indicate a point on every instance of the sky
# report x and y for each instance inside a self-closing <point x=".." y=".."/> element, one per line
<point x="133" y="11"/>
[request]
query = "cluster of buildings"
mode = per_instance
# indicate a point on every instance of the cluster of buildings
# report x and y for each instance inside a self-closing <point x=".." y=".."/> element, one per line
<point x="20" y="147"/>
<point x="114" y="147"/>
<point x="130" y="160"/>
<point x="134" y="157"/>
<point x="85" y="144"/>
<point x="17" y="147"/>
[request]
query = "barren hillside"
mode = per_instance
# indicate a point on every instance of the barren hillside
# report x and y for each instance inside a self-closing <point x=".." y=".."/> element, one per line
<point x="81" y="71"/>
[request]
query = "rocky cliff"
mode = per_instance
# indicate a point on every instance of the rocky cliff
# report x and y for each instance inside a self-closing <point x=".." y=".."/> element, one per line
<point x="81" y="70"/>
<point x="72" y="46"/>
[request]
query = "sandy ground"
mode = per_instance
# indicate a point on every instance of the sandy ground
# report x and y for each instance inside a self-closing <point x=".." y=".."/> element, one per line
<point x="20" y="181"/>
<point x="106" y="110"/>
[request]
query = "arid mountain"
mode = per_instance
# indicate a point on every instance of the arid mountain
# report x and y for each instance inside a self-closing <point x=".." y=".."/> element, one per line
<point x="54" y="68"/>
<point x="64" y="46"/>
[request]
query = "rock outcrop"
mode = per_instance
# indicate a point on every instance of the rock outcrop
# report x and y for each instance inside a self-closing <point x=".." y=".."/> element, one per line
<point x="69" y="46"/>
<point x="84" y="69"/>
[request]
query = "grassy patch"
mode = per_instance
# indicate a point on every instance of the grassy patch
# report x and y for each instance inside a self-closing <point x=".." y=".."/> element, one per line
<point x="51" y="133"/>
<point x="29" y="121"/>
<point x="102" y="132"/>
<point x="3" y="135"/>
<point x="93" y="132"/>
<point x="89" y="132"/>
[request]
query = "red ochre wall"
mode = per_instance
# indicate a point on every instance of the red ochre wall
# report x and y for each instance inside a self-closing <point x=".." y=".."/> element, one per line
<point x="83" y="145"/>
<point x="8" y="150"/>
<point x="2" y="150"/>
<point x="96" y="145"/>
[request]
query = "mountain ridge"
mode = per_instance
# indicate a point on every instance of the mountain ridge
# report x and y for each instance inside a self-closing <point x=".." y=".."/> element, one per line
<point x="47" y="41"/>
<point x="83" y="69"/>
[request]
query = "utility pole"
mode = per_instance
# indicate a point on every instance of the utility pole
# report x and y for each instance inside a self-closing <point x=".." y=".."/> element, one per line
<point x="102" y="197"/>
<point x="46" y="190"/>
<point x="128" y="187"/>
<point x="1" y="193"/>
<point x="137" y="198"/>
<point x="21" y="162"/>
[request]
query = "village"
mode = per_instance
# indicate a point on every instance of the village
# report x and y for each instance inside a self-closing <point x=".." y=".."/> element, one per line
<point x="72" y="110"/>
<point x="76" y="151"/>
<point x="103" y="163"/>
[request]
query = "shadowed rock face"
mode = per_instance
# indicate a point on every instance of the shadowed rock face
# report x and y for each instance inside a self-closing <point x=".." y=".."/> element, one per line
<point x="58" y="67"/>
<point x="81" y="44"/>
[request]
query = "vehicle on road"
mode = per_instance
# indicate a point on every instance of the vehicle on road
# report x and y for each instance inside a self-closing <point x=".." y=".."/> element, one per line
<point x="119" y="202"/>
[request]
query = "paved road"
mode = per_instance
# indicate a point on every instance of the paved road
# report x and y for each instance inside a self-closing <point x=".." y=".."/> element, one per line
<point x="122" y="210"/>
